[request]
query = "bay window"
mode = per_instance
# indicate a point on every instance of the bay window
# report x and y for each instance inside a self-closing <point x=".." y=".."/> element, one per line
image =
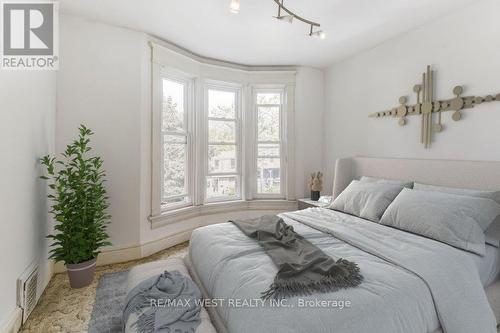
<point x="217" y="146"/>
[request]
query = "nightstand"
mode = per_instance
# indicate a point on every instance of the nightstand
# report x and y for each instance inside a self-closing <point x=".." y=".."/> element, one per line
<point x="307" y="203"/>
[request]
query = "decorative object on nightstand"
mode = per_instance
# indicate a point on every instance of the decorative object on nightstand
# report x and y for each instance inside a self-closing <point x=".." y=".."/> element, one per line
<point x="315" y="184"/>
<point x="308" y="203"/>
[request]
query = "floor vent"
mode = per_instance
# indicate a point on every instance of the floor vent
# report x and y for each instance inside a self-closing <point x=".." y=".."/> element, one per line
<point x="27" y="291"/>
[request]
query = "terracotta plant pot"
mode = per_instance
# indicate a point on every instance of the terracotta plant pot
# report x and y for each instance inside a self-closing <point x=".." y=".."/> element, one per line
<point x="82" y="274"/>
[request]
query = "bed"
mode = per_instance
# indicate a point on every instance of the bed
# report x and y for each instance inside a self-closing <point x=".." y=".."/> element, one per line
<point x="412" y="284"/>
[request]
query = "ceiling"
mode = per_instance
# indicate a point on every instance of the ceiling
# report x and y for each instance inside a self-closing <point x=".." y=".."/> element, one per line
<point x="253" y="37"/>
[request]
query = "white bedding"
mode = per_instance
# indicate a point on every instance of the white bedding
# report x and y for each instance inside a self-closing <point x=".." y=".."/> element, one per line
<point x="392" y="298"/>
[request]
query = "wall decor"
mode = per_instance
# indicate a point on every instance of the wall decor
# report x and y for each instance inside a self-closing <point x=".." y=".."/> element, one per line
<point x="426" y="107"/>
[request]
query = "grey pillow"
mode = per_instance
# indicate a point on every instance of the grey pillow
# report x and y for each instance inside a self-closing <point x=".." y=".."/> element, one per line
<point x="493" y="231"/>
<point x="449" y="218"/>
<point x="366" y="200"/>
<point x="404" y="183"/>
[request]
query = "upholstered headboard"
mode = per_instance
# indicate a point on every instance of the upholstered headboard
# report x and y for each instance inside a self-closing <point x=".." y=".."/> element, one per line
<point x="466" y="174"/>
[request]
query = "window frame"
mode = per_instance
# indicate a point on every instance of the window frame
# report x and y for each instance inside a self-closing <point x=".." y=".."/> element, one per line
<point x="158" y="204"/>
<point x="237" y="90"/>
<point x="281" y="89"/>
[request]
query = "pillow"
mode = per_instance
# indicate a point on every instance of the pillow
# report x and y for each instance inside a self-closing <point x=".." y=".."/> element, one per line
<point x="493" y="195"/>
<point x="366" y="200"/>
<point x="404" y="183"/>
<point x="493" y="232"/>
<point x="449" y="218"/>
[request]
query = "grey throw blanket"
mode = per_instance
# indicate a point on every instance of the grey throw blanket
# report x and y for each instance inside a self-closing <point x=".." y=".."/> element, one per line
<point x="302" y="267"/>
<point x="166" y="303"/>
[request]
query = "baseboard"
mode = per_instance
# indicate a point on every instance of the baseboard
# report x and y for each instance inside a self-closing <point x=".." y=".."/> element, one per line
<point x="14" y="322"/>
<point x="49" y="272"/>
<point x="134" y="252"/>
<point x="152" y="247"/>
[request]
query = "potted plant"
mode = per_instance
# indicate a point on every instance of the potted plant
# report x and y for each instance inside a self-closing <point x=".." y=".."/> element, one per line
<point x="79" y="205"/>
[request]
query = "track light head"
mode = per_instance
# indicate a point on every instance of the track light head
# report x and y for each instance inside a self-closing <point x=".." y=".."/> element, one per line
<point x="285" y="18"/>
<point x="318" y="34"/>
<point x="235" y="6"/>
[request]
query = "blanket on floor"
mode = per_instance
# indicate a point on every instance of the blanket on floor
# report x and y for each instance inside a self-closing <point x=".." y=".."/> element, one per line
<point x="303" y="268"/>
<point x="170" y="302"/>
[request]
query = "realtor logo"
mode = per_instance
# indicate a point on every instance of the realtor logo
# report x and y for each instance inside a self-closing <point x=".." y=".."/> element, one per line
<point x="29" y="35"/>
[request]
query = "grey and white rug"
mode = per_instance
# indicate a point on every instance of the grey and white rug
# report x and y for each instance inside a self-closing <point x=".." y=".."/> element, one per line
<point x="106" y="315"/>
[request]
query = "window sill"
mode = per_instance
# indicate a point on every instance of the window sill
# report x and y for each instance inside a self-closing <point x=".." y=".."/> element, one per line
<point x="174" y="216"/>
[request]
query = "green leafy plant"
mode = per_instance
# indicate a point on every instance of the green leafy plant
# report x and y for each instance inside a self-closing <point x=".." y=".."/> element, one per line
<point x="79" y="202"/>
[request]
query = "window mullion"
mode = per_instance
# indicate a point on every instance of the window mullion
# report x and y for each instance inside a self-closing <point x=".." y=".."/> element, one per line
<point x="174" y="133"/>
<point x="221" y="143"/>
<point x="268" y="105"/>
<point x="223" y="174"/>
<point x="222" y="119"/>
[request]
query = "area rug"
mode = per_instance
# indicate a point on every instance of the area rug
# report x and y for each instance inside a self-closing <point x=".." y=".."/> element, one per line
<point x="106" y="314"/>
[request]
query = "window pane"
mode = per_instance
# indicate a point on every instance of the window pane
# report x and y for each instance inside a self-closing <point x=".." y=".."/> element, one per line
<point x="268" y="175"/>
<point x="268" y="150"/>
<point x="268" y="98"/>
<point x="174" y="165"/>
<point x="221" y="131"/>
<point x="221" y="158"/>
<point x="221" y="187"/>
<point x="173" y="105"/>
<point x="268" y="123"/>
<point x="221" y="104"/>
<point x="174" y="139"/>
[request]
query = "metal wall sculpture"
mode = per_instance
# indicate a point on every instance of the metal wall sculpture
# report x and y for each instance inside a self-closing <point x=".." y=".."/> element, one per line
<point x="426" y="107"/>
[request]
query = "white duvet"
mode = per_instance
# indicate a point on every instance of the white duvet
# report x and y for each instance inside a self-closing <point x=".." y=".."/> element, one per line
<point x="411" y="283"/>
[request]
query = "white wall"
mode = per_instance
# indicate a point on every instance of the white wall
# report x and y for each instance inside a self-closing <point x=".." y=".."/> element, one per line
<point x="309" y="106"/>
<point x="461" y="47"/>
<point x="99" y="85"/>
<point x="105" y="82"/>
<point x="27" y="125"/>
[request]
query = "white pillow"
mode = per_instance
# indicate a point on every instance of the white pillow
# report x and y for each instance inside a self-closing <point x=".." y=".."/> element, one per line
<point x="366" y="200"/>
<point x="453" y="219"/>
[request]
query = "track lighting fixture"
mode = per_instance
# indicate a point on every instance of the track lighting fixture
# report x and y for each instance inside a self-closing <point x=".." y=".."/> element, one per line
<point x="235" y="6"/>
<point x="291" y="16"/>
<point x="288" y="17"/>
